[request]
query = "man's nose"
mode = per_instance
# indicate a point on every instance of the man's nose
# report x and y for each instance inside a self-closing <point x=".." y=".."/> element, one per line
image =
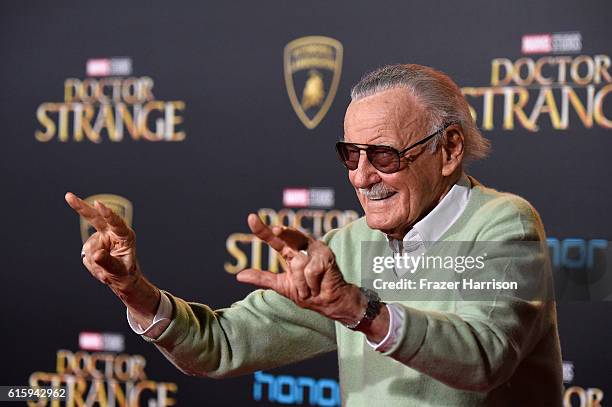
<point x="365" y="175"/>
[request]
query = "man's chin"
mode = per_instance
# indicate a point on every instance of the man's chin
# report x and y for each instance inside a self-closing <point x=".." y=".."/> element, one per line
<point x="378" y="222"/>
<point x="384" y="223"/>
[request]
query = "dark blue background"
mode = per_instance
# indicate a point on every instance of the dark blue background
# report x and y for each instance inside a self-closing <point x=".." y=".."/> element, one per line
<point x="224" y="59"/>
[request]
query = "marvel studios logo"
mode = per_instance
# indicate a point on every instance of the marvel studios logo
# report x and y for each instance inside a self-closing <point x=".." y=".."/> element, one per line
<point x="308" y="197"/>
<point x="101" y="341"/>
<point x="561" y="42"/>
<point x="116" y="66"/>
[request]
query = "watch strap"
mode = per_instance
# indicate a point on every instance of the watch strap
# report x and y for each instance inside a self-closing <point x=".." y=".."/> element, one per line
<point x="372" y="308"/>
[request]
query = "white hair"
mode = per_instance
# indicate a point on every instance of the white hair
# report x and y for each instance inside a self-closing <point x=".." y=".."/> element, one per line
<point x="439" y="95"/>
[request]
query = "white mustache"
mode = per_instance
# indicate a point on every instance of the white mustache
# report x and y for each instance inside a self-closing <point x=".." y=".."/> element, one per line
<point x="376" y="191"/>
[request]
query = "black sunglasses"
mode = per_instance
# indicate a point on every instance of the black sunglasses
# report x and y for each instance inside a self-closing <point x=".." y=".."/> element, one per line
<point x="384" y="158"/>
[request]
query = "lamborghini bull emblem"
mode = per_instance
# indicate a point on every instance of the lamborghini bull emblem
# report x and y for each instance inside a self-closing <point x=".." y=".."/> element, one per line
<point x="116" y="203"/>
<point x="312" y="74"/>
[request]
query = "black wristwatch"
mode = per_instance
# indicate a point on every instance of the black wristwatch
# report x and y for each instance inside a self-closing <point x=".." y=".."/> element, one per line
<point x="372" y="309"/>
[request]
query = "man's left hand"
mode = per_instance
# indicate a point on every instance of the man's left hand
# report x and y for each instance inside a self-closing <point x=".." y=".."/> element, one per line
<point x="312" y="279"/>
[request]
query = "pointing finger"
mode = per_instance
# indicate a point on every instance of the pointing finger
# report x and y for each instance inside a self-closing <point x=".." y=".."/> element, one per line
<point x="292" y="237"/>
<point x="284" y="240"/>
<point x="85" y="210"/>
<point x="114" y="221"/>
<point x="263" y="232"/>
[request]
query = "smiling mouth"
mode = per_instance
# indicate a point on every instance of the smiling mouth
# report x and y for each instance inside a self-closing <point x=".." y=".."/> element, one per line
<point x="381" y="198"/>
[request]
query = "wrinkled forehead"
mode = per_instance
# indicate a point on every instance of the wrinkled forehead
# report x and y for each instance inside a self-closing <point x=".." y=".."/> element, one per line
<point x="392" y="117"/>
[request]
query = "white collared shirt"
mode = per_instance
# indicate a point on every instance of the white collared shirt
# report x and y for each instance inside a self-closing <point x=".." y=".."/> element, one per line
<point x="427" y="230"/>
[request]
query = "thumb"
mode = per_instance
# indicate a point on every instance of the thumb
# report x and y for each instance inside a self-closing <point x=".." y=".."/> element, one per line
<point x="109" y="263"/>
<point x="264" y="279"/>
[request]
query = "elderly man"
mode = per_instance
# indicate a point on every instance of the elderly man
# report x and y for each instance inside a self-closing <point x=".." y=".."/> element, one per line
<point x="407" y="133"/>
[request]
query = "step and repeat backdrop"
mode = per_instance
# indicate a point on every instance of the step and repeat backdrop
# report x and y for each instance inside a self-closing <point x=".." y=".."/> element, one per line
<point x="184" y="117"/>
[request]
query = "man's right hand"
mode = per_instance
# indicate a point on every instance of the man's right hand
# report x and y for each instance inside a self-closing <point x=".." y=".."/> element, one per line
<point x="110" y="256"/>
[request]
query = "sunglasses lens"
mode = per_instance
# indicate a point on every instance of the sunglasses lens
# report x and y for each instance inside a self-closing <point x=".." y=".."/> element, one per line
<point x="349" y="155"/>
<point x="384" y="159"/>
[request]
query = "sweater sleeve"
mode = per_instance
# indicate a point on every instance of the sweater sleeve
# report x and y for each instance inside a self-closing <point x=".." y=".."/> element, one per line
<point x="263" y="331"/>
<point x="480" y="345"/>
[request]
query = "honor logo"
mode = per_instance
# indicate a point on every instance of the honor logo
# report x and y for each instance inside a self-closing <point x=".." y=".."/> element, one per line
<point x="296" y="390"/>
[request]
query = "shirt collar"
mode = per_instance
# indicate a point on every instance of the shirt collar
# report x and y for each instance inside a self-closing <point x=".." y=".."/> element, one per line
<point x="442" y="216"/>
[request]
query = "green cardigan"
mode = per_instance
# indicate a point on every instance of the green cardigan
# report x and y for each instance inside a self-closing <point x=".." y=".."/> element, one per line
<point x="467" y="353"/>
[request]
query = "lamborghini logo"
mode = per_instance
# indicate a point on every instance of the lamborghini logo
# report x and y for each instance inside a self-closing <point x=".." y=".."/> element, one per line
<point x="312" y="74"/>
<point x="116" y="203"/>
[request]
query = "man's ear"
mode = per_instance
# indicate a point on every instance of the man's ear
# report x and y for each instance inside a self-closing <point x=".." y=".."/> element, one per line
<point x="452" y="150"/>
